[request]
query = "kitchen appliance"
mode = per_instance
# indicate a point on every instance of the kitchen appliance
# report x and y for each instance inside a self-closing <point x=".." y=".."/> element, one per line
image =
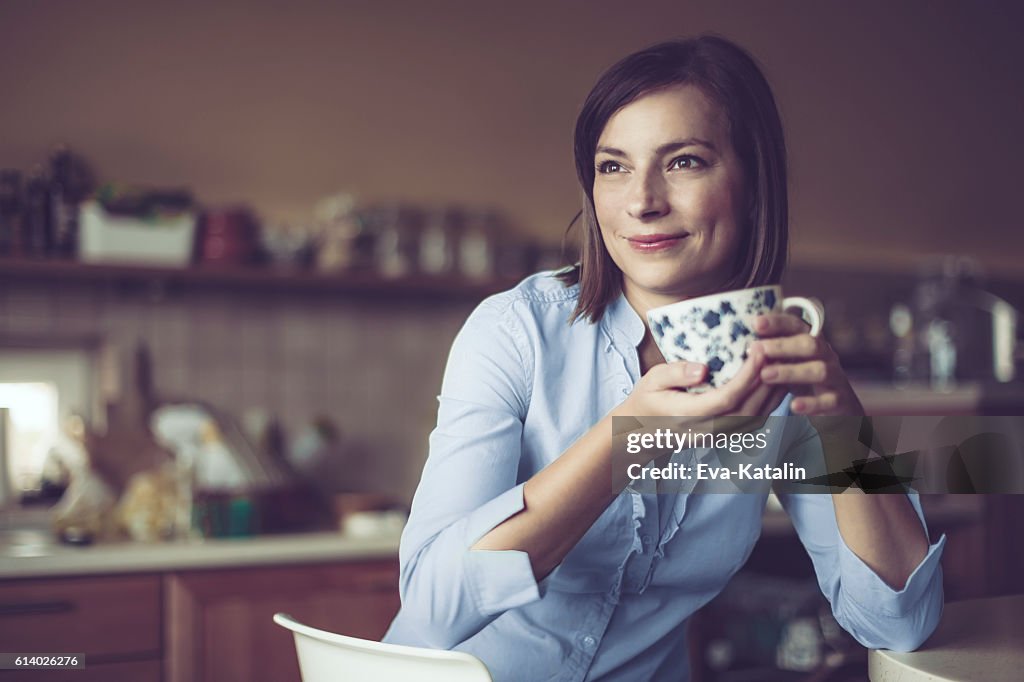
<point x="958" y="331"/>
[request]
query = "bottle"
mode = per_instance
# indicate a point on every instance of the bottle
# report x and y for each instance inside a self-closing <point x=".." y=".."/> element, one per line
<point x="947" y="346"/>
<point x="397" y="243"/>
<point x="63" y="205"/>
<point x="10" y="212"/>
<point x="37" y="229"/>
<point x="185" y="498"/>
<point x="901" y="324"/>
<point x="476" y="257"/>
<point x="437" y="243"/>
<point x="939" y="335"/>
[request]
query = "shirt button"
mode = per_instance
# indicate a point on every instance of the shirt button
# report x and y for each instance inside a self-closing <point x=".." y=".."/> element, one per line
<point x="646" y="539"/>
<point x="588" y="642"/>
<point x="625" y="390"/>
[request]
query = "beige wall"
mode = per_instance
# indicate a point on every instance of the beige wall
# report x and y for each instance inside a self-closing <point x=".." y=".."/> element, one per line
<point x="903" y="118"/>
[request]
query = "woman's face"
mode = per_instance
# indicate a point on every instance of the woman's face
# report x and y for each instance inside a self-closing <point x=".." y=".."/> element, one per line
<point x="669" y="196"/>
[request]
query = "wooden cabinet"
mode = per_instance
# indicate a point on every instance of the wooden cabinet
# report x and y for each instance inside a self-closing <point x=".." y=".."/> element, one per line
<point x="220" y="627"/>
<point x="192" y="626"/>
<point x="116" y="622"/>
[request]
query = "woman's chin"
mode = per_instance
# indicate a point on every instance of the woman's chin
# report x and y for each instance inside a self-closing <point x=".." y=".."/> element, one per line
<point x="666" y="280"/>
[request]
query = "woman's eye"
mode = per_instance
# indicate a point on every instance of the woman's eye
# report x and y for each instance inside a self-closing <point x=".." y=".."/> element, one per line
<point x="608" y="167"/>
<point x="686" y="162"/>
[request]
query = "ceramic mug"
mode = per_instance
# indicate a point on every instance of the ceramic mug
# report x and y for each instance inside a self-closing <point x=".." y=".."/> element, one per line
<point x="717" y="330"/>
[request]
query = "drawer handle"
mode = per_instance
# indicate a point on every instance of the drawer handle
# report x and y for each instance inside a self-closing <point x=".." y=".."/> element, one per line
<point x="36" y="608"/>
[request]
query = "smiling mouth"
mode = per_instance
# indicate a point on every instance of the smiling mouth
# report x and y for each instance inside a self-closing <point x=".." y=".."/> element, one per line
<point x="656" y="242"/>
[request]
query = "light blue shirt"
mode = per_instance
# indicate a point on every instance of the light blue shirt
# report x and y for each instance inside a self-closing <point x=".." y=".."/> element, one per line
<point x="520" y="386"/>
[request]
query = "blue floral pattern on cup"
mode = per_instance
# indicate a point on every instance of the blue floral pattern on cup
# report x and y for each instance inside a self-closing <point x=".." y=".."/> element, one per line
<point x="715" y="330"/>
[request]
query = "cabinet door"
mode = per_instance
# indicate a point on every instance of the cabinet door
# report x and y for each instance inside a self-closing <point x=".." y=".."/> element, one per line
<point x="220" y="627"/>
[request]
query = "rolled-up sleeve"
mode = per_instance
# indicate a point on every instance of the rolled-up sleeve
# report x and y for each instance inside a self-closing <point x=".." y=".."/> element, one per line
<point x="469" y="485"/>
<point x="877" y="615"/>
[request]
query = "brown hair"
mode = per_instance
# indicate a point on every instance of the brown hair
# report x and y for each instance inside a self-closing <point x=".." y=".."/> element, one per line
<point x="730" y="77"/>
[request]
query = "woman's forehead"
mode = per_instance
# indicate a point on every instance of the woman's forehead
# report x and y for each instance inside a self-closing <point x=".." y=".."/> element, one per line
<point x="679" y="112"/>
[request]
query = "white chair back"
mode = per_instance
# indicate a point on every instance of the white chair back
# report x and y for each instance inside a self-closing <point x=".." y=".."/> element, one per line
<point x="329" y="657"/>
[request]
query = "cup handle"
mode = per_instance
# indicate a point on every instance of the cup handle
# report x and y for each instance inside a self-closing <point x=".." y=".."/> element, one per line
<point x="813" y="311"/>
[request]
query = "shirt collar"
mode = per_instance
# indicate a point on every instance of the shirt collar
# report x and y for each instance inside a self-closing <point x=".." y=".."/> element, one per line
<point x="623" y="323"/>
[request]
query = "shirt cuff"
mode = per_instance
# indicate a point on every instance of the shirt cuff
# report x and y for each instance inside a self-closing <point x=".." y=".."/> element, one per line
<point x="498" y="579"/>
<point x="865" y="587"/>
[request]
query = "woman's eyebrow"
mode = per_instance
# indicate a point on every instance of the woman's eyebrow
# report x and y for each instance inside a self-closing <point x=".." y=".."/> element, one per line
<point x="681" y="144"/>
<point x="663" y="149"/>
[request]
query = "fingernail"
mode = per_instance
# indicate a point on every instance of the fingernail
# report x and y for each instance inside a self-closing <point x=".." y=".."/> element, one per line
<point x="769" y="373"/>
<point x="761" y="324"/>
<point x="694" y="369"/>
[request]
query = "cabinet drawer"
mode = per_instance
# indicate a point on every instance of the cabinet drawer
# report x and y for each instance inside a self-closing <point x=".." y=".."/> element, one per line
<point x="103" y="618"/>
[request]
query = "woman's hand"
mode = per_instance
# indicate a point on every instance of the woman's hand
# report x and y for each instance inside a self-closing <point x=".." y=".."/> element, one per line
<point x="658" y="393"/>
<point x="805" y="364"/>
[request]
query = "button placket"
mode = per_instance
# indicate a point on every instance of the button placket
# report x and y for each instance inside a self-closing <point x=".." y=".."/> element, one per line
<point x="586" y="639"/>
<point x="640" y="561"/>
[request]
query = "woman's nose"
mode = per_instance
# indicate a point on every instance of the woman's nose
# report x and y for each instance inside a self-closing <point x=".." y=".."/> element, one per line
<point x="647" y="198"/>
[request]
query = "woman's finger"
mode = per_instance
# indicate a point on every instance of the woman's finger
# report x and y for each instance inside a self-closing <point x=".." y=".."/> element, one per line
<point x="716" y="401"/>
<point x="765" y="399"/>
<point x="753" y="404"/>
<point x="798" y="347"/>
<point x="678" y="374"/>
<point x="768" y="325"/>
<point x="732" y="396"/>
<point x="754" y="411"/>
<point x="811" y="372"/>
<point x="823" y="403"/>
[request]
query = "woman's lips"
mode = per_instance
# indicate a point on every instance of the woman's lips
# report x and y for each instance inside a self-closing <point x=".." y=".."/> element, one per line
<point x="651" y="243"/>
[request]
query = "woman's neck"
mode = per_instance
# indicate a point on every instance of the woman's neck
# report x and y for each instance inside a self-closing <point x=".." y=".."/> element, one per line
<point x="647" y="350"/>
<point x="641" y="302"/>
<point x="648" y="353"/>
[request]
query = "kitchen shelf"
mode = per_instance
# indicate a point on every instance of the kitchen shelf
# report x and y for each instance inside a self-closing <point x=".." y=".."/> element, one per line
<point x="258" y="279"/>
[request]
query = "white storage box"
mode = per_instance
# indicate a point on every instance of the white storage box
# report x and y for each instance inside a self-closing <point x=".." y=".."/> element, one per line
<point x="107" y="238"/>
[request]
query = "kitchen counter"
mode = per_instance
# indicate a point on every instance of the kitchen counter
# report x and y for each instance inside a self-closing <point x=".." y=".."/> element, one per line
<point x="922" y="399"/>
<point x="28" y="554"/>
<point x="981" y="639"/>
<point x="23" y="557"/>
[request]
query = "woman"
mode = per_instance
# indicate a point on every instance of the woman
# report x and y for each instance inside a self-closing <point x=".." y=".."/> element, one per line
<point x="517" y="550"/>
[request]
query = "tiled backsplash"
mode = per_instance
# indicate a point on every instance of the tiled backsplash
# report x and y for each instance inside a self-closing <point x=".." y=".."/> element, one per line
<point x="373" y="367"/>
